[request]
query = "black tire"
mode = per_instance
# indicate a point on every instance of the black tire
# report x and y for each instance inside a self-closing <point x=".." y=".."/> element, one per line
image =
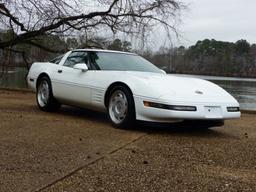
<point x="50" y="104"/>
<point x="129" y="119"/>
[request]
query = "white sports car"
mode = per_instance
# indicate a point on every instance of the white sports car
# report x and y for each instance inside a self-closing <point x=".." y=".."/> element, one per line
<point x="128" y="88"/>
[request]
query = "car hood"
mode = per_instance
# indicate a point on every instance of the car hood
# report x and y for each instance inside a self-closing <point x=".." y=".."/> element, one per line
<point x="184" y="89"/>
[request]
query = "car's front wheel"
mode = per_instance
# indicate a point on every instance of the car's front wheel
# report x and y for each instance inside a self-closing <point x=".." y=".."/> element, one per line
<point x="121" y="110"/>
<point x="44" y="96"/>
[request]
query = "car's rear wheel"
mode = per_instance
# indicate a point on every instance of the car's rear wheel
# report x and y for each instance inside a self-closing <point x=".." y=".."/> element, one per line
<point x="44" y="96"/>
<point x="121" y="110"/>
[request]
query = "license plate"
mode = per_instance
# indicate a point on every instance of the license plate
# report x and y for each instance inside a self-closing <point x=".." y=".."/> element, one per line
<point x="212" y="112"/>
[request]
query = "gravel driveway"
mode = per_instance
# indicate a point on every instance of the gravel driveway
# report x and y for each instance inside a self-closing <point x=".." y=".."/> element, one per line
<point x="78" y="150"/>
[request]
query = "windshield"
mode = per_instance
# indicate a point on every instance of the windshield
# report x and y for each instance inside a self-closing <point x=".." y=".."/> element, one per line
<point x="122" y="62"/>
<point x="57" y="59"/>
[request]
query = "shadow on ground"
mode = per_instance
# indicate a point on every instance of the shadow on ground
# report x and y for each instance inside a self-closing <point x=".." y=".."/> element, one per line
<point x="181" y="128"/>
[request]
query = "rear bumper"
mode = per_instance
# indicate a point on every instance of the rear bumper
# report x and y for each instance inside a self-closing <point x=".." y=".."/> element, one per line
<point x="203" y="111"/>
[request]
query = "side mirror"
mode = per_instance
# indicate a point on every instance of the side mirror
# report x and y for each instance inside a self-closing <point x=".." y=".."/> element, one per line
<point x="81" y="66"/>
<point x="162" y="71"/>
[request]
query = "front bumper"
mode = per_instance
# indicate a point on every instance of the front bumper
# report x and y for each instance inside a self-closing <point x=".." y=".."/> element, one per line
<point x="205" y="111"/>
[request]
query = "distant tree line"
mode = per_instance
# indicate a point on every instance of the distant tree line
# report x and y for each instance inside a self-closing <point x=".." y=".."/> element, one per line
<point x="207" y="57"/>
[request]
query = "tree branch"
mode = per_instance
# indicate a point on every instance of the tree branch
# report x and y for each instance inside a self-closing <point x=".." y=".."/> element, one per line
<point x="57" y="17"/>
<point x="4" y="11"/>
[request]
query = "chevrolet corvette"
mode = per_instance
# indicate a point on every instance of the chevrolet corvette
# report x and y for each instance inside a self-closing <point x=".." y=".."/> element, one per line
<point x="128" y="88"/>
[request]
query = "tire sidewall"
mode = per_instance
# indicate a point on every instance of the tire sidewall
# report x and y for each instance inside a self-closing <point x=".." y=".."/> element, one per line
<point x="130" y="116"/>
<point x="47" y="106"/>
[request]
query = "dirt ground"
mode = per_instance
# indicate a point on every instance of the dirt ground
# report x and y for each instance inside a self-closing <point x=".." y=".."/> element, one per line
<point x="78" y="150"/>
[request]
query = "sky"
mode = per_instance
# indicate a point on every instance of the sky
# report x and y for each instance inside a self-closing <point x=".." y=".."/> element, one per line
<point x="225" y="20"/>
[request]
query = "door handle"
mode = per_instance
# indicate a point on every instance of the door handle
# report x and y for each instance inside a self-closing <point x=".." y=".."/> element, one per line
<point x="59" y="71"/>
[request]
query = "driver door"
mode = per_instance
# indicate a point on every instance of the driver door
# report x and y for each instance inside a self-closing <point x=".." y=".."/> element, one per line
<point x="73" y="86"/>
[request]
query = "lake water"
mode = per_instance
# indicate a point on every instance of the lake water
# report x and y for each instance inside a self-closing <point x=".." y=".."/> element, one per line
<point x="243" y="89"/>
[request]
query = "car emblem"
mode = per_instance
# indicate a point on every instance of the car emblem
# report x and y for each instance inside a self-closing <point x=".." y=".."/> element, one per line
<point x="199" y="92"/>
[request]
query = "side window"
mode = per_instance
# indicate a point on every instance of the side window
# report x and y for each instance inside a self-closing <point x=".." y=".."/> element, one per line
<point x="75" y="58"/>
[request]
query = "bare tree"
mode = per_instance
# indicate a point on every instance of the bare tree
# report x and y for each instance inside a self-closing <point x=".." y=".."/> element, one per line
<point x="30" y="19"/>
